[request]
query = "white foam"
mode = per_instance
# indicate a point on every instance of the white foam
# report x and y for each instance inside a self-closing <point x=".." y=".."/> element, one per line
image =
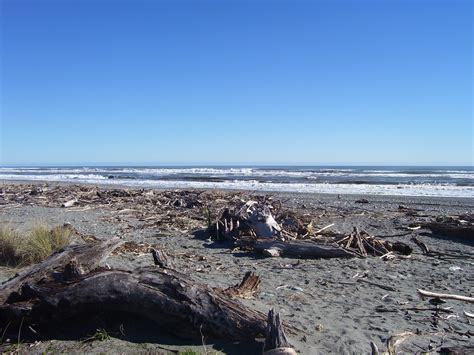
<point x="247" y="172"/>
<point x="369" y="189"/>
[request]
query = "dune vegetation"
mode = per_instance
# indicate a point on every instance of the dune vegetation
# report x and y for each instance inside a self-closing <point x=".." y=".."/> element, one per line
<point x="20" y="249"/>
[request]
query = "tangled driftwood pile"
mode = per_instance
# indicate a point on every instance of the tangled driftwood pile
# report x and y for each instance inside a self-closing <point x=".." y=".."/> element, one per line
<point x="253" y="226"/>
<point x="363" y="244"/>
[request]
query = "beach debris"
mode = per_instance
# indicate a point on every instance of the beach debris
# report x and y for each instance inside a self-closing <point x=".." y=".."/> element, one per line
<point x="446" y="296"/>
<point x="363" y="244"/>
<point x="374" y="350"/>
<point x="453" y="226"/>
<point x="362" y="200"/>
<point x="160" y="258"/>
<point x="384" y="287"/>
<point x="72" y="270"/>
<point x="261" y="220"/>
<point x="324" y="228"/>
<point x="468" y="314"/>
<point x="134" y="248"/>
<point x="295" y="249"/>
<point x="426" y="251"/>
<point x="395" y="340"/>
<point x="253" y="218"/>
<point x="248" y="287"/>
<point x="424" y="248"/>
<point x="69" y="203"/>
<point x="40" y="297"/>
<point x="276" y="342"/>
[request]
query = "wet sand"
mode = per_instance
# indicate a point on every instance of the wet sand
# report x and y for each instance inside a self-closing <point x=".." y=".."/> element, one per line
<point x="324" y="298"/>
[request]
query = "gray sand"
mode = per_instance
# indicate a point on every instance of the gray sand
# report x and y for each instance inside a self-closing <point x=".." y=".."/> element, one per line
<point x="335" y="313"/>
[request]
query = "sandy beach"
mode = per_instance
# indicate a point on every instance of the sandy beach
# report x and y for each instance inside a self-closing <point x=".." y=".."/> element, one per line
<point x="338" y="305"/>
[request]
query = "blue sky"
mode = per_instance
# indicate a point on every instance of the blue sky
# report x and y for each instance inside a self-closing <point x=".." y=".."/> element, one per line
<point x="236" y="82"/>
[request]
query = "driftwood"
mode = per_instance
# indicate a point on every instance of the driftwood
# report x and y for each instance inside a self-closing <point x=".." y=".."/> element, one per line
<point x="251" y="219"/>
<point x="276" y="342"/>
<point x="69" y="203"/>
<point x="70" y="284"/>
<point x="446" y="295"/>
<point x="433" y="253"/>
<point x="456" y="226"/>
<point x="247" y="288"/>
<point x="86" y="256"/>
<point x="362" y="243"/>
<point x="297" y="249"/>
<point x="424" y="248"/>
<point x="395" y="340"/>
<point x="260" y="219"/>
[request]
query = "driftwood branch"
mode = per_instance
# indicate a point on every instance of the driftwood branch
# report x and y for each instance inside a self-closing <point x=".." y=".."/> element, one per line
<point x="247" y="288"/>
<point x="446" y="295"/>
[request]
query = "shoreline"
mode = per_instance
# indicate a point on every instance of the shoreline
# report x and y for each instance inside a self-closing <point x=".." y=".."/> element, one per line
<point x="408" y="198"/>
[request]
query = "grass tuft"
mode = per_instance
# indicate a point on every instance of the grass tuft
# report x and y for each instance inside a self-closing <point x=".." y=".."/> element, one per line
<point x="100" y="335"/>
<point x="43" y="241"/>
<point x="20" y="250"/>
<point x="10" y="246"/>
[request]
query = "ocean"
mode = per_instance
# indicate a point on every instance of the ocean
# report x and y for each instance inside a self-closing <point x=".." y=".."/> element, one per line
<point x="406" y="181"/>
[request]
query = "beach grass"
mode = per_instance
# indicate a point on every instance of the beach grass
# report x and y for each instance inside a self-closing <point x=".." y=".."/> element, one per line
<point x="19" y="249"/>
<point x="10" y="246"/>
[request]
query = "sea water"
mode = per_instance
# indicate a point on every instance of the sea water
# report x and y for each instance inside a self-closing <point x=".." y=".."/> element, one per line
<point x="407" y="181"/>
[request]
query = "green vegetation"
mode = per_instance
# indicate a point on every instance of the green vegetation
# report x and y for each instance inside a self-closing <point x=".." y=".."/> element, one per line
<point x="17" y="249"/>
<point x="207" y="215"/>
<point x="10" y="246"/>
<point x="188" y="352"/>
<point x="100" y="335"/>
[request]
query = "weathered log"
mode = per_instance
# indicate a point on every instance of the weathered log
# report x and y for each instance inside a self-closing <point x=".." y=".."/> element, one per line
<point x="175" y="303"/>
<point x="276" y="342"/>
<point x="457" y="226"/>
<point x="299" y="249"/>
<point x="44" y="296"/>
<point x="88" y="256"/>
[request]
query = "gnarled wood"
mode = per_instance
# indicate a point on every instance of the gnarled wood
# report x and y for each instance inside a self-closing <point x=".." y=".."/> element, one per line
<point x="187" y="309"/>
<point x="88" y="256"/>
<point x="172" y="301"/>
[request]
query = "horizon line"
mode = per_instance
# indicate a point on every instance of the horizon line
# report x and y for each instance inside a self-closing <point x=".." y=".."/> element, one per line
<point x="164" y="165"/>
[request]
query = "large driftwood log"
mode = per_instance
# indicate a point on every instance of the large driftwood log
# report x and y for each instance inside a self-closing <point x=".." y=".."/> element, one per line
<point x="43" y="296"/>
<point x="173" y="302"/>
<point x="299" y="249"/>
<point x="457" y="226"/>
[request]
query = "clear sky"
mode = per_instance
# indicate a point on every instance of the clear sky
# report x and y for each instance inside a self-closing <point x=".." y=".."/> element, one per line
<point x="236" y="82"/>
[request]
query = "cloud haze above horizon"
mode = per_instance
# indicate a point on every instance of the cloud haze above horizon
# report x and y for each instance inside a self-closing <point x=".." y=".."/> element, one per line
<point x="236" y="82"/>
